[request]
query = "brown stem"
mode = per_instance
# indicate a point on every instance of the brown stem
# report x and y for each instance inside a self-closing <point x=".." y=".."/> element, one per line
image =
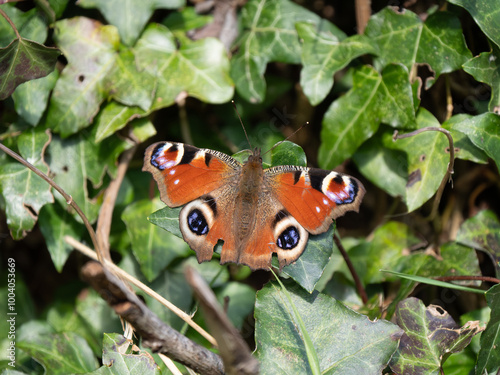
<point x="68" y="198"/>
<point x="449" y="170"/>
<point x="363" y="13"/>
<point x="357" y="280"/>
<point x="108" y="204"/>
<point x="155" y="334"/>
<point x="10" y="23"/>
<point x="476" y="278"/>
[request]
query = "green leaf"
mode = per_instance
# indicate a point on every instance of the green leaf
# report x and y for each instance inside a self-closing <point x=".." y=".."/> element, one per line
<point x="90" y="49"/>
<point x="55" y="223"/>
<point x="383" y="163"/>
<point x="488" y="360"/>
<point x="359" y="343"/>
<point x="464" y="148"/>
<point x="24" y="60"/>
<point x="31" y="98"/>
<point x="60" y="353"/>
<point x="30" y="25"/>
<point x="186" y="19"/>
<point x="486" y="15"/>
<point x="485" y="68"/>
<point x="113" y="117"/>
<point x="269" y="35"/>
<point x="168" y="219"/>
<point x="307" y="270"/>
<point x="323" y="54"/>
<point x="356" y="116"/>
<point x="153" y="248"/>
<point x="120" y="356"/>
<point x="199" y="68"/>
<point x="130" y="16"/>
<point x="129" y="85"/>
<point x="76" y="159"/>
<point x="438" y="41"/>
<point x="288" y="153"/>
<point x="428" y="158"/>
<point x="24" y="192"/>
<point x="482" y="232"/>
<point x="484" y="132"/>
<point x="431" y="335"/>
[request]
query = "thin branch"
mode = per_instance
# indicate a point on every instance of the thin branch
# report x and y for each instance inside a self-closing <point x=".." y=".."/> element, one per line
<point x="357" y="280"/>
<point x="68" y="198"/>
<point x="449" y="169"/>
<point x="185" y="129"/>
<point x="10" y="23"/>
<point x="108" y="204"/>
<point x="124" y="275"/>
<point x="155" y="334"/>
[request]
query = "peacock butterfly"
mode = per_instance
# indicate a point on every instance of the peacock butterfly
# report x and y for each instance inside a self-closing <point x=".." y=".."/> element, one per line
<point x="255" y="211"/>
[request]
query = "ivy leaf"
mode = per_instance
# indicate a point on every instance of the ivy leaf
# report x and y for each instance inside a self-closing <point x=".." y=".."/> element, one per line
<point x="360" y="344"/>
<point x="60" y="353"/>
<point x="31" y="98"/>
<point x="428" y="159"/>
<point x="486" y="68"/>
<point x="464" y="148"/>
<point x="384" y="164"/>
<point x="199" y="68"/>
<point x="485" y="14"/>
<point x="431" y="336"/>
<point x="438" y="41"/>
<point x="78" y="159"/>
<point x="90" y="49"/>
<point x="482" y="232"/>
<point x="129" y="85"/>
<point x="121" y="356"/>
<point x="323" y="54"/>
<point x="30" y="25"/>
<point x="129" y="16"/>
<point x="288" y="153"/>
<point x="113" y="117"/>
<point x="356" y="116"/>
<point x="269" y="35"/>
<point x="153" y="248"/>
<point x="24" y="192"/>
<point x="24" y="60"/>
<point x="488" y="360"/>
<point x="56" y="222"/>
<point x="483" y="131"/>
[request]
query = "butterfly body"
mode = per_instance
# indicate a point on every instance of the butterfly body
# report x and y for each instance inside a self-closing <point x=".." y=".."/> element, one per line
<point x="256" y="212"/>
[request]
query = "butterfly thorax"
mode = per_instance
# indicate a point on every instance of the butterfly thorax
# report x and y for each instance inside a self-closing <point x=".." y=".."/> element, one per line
<point x="248" y="192"/>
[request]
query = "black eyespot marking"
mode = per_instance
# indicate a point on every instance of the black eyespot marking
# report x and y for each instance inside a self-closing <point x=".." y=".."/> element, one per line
<point x="189" y="154"/>
<point x="208" y="157"/>
<point x="288" y="239"/>
<point x="211" y="203"/>
<point x="197" y="222"/>
<point x="338" y="179"/>
<point x="173" y="148"/>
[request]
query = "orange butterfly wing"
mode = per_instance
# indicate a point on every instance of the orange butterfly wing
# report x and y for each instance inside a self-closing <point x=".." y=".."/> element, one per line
<point x="315" y="196"/>
<point x="184" y="173"/>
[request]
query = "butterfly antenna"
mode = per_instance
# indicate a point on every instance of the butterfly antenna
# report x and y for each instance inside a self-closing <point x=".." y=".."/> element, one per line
<point x="287" y="138"/>
<point x="241" y="122"/>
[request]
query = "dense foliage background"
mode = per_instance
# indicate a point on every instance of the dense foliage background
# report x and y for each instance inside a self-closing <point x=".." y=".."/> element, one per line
<point x="87" y="86"/>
